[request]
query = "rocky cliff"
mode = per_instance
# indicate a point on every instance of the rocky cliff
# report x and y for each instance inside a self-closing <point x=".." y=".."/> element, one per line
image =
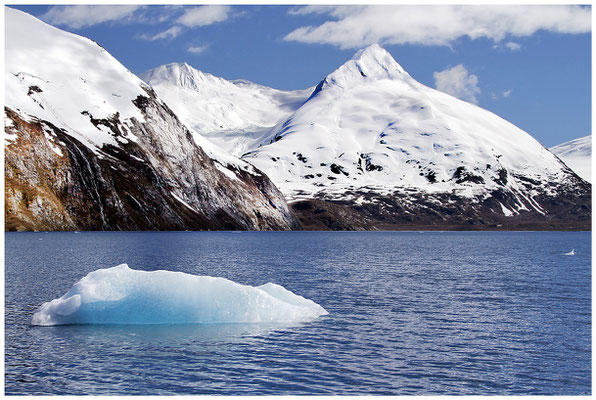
<point x="90" y="146"/>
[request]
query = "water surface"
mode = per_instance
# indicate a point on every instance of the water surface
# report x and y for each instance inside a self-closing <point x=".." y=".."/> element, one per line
<point x="410" y="313"/>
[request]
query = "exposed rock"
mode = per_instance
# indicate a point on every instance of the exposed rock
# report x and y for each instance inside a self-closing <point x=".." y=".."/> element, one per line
<point x="137" y="186"/>
<point x="409" y="210"/>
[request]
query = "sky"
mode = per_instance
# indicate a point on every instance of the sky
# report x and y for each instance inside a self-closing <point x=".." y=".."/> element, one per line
<point x="528" y="64"/>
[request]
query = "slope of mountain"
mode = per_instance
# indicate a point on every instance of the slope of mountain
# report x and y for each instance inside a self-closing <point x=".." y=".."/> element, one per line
<point x="577" y="154"/>
<point x="232" y="114"/>
<point x="373" y="148"/>
<point x="88" y="145"/>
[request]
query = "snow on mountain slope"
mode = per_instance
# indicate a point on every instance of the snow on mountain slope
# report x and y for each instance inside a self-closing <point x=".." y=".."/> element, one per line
<point x="99" y="89"/>
<point x="577" y="154"/>
<point x="232" y="114"/>
<point x="369" y="126"/>
<point x="91" y="146"/>
<point x="96" y="86"/>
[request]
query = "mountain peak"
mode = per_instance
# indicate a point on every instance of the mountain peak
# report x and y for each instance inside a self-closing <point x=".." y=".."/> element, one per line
<point x="182" y="68"/>
<point x="372" y="51"/>
<point x="177" y="69"/>
<point x="181" y="74"/>
<point x="375" y="57"/>
<point x="370" y="63"/>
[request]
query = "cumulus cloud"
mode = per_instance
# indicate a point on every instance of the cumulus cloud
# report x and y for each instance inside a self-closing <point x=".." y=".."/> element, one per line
<point x="458" y="82"/>
<point x="358" y="26"/>
<point x="204" y="15"/>
<point x="80" y="16"/>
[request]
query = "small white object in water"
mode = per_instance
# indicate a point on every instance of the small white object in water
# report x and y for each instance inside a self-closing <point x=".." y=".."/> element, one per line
<point x="571" y="253"/>
<point x="120" y="295"/>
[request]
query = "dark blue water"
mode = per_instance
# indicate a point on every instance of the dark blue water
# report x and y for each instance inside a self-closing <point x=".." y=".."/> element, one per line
<point x="410" y="313"/>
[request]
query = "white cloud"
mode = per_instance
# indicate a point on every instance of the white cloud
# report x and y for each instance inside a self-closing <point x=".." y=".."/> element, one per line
<point x="79" y="16"/>
<point x="513" y="46"/>
<point x="358" y="26"/>
<point x="171" y="33"/>
<point x="204" y="15"/>
<point x="191" y="17"/>
<point x="152" y="15"/>
<point x="503" y="95"/>
<point x="458" y="82"/>
<point x="304" y="10"/>
<point x="197" y="49"/>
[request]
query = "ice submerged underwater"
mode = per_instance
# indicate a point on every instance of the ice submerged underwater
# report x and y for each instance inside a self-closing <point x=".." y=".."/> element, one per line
<point x="121" y="295"/>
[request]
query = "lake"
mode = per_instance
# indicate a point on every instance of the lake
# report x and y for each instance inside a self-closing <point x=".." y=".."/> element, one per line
<point x="410" y="313"/>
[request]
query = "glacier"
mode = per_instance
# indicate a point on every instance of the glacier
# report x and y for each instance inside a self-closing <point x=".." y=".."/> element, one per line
<point x="121" y="295"/>
<point x="233" y="115"/>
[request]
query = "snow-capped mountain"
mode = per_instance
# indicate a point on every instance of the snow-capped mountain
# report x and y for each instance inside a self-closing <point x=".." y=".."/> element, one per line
<point x="369" y="123"/>
<point x="577" y="154"/>
<point x="91" y="146"/>
<point x="372" y="136"/>
<point x="371" y="147"/>
<point x="232" y="114"/>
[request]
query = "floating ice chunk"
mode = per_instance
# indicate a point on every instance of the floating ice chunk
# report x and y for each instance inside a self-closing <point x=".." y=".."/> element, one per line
<point x="571" y="253"/>
<point x="120" y="295"/>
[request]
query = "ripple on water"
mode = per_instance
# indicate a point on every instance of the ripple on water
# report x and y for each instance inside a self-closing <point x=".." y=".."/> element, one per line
<point x="455" y="313"/>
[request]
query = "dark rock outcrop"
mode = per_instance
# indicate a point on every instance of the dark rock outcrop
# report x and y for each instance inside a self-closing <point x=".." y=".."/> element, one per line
<point x="54" y="182"/>
<point x="566" y="208"/>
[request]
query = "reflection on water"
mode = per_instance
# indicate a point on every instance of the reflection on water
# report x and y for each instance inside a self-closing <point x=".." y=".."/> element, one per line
<point x="168" y="335"/>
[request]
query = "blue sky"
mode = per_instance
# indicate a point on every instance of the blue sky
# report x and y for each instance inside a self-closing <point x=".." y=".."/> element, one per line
<point x="530" y="65"/>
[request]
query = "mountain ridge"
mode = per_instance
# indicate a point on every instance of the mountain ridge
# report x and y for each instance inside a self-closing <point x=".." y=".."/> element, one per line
<point x="369" y="133"/>
<point x="89" y="146"/>
<point x="341" y="113"/>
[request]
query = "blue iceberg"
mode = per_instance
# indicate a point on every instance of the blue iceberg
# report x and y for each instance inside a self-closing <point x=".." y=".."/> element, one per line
<point x="120" y="295"/>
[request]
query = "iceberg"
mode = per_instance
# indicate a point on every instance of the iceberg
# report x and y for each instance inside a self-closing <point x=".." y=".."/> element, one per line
<point x="121" y="295"/>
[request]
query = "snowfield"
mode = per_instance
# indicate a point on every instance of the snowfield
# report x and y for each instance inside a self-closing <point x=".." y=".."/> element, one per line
<point x="577" y="154"/>
<point x="232" y="114"/>
<point x="100" y="87"/>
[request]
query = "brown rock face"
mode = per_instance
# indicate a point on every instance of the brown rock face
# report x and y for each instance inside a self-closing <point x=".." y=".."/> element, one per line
<point x="163" y="181"/>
